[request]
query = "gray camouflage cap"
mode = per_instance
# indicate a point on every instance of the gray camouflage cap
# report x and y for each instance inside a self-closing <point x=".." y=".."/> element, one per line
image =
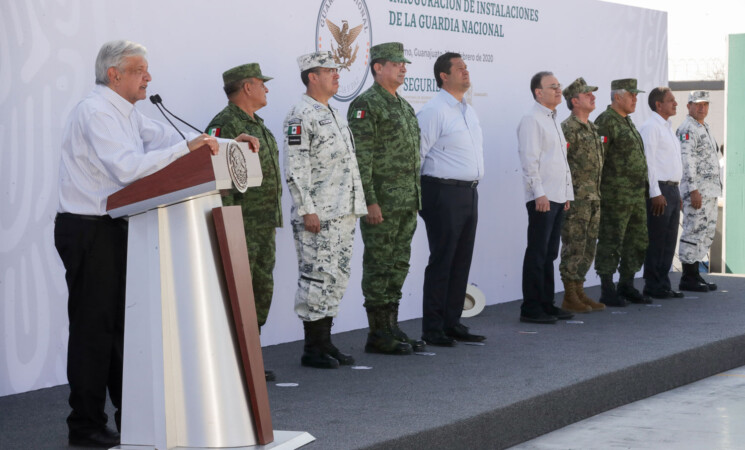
<point x="389" y="51"/>
<point x="578" y="86"/>
<point x="628" y="84"/>
<point x="698" y="97"/>
<point x="251" y="70"/>
<point x="316" y="59"/>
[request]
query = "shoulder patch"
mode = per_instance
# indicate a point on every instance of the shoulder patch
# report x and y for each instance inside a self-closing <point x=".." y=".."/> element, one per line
<point x="684" y="137"/>
<point x="316" y="106"/>
<point x="214" y="131"/>
<point x="294" y="130"/>
<point x="294" y="120"/>
<point x="324" y="122"/>
<point x="604" y="139"/>
<point x="359" y="114"/>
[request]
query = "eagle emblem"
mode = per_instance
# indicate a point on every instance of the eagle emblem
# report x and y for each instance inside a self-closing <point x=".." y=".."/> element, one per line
<point x="343" y="54"/>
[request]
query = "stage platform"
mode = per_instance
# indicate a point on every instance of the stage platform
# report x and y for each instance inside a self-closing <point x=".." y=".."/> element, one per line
<point x="525" y="381"/>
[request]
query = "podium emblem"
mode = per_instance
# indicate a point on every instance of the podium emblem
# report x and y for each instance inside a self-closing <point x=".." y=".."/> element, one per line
<point x="237" y="166"/>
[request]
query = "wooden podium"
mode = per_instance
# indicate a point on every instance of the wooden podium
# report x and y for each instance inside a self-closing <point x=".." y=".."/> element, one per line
<point x="193" y="370"/>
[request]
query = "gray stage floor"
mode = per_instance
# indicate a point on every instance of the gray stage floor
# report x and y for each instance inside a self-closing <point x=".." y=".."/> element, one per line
<point x="527" y="380"/>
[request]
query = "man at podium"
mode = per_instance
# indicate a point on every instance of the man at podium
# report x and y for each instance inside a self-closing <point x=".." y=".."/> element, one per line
<point x="106" y="145"/>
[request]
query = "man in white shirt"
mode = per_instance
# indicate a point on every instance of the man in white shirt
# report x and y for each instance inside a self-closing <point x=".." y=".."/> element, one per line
<point x="662" y="151"/>
<point x="107" y="144"/>
<point x="548" y="189"/>
<point x="452" y="164"/>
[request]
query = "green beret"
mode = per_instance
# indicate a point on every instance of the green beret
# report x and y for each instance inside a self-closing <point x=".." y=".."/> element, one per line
<point x="628" y="84"/>
<point x="251" y="70"/>
<point x="390" y="51"/>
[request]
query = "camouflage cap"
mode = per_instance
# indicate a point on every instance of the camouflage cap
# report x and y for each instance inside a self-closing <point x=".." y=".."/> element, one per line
<point x="251" y="70"/>
<point x="390" y="51"/>
<point x="698" y="97"/>
<point x="578" y="86"/>
<point x="316" y="59"/>
<point x="628" y="84"/>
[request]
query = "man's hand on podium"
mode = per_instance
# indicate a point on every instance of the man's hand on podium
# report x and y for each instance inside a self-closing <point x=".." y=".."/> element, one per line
<point x="253" y="143"/>
<point x="204" y="139"/>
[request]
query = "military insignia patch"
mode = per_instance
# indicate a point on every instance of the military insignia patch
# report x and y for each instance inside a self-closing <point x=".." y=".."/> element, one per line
<point x="684" y="137"/>
<point x="214" y="131"/>
<point x="360" y="114"/>
<point x="324" y="122"/>
<point x="294" y="130"/>
<point x="604" y="139"/>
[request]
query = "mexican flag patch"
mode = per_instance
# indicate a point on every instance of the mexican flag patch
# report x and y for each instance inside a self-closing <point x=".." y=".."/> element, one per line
<point x="604" y="139"/>
<point x="359" y="114"/>
<point x="684" y="137"/>
<point x="214" y="131"/>
<point x="294" y="130"/>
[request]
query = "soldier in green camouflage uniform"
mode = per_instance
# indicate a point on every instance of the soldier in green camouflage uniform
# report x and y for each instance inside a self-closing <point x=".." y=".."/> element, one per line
<point x="623" y="211"/>
<point x="327" y="196"/>
<point x="580" y="231"/>
<point x="386" y="131"/>
<point x="262" y="210"/>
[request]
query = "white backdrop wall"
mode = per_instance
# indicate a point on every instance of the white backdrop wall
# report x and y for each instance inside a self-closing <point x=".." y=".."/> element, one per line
<point x="47" y="51"/>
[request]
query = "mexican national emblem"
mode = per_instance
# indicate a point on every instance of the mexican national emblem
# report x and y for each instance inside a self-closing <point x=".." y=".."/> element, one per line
<point x="345" y="37"/>
<point x="343" y="28"/>
<point x="237" y="166"/>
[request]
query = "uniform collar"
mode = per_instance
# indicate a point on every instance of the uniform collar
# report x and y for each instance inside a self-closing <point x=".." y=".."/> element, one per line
<point x="243" y="114"/>
<point x="385" y="94"/>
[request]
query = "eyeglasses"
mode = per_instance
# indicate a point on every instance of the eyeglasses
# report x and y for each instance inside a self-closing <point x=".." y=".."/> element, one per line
<point x="555" y="87"/>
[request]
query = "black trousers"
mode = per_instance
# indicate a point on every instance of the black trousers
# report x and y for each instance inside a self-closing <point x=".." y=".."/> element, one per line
<point x="544" y="233"/>
<point x="94" y="252"/>
<point x="663" y="237"/>
<point x="450" y="215"/>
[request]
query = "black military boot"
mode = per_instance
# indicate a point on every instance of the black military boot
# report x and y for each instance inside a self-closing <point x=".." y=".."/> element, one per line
<point x="416" y="345"/>
<point x="608" y="294"/>
<point x="329" y="348"/>
<point x="314" y="354"/>
<point x="627" y="291"/>
<point x="380" y="339"/>
<point x="691" y="280"/>
<point x="711" y="286"/>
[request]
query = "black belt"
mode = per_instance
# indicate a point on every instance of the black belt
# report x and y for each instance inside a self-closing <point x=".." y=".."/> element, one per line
<point x="669" y="183"/>
<point x="471" y="184"/>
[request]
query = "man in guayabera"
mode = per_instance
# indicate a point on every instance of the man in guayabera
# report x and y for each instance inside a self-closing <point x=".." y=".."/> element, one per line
<point x="700" y="187"/>
<point x="622" y="239"/>
<point x="580" y="231"/>
<point x="386" y="132"/>
<point x="261" y="206"/>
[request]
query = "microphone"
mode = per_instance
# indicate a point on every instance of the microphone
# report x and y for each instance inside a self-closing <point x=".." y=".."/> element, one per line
<point x="157" y="101"/>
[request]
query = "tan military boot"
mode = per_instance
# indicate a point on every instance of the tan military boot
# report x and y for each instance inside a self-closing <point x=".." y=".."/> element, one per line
<point x="571" y="301"/>
<point x="579" y="289"/>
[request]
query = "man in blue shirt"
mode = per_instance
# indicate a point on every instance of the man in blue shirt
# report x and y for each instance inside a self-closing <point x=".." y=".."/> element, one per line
<point x="452" y="165"/>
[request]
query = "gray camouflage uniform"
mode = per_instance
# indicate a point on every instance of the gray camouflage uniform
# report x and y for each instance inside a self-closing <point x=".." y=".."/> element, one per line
<point x="702" y="172"/>
<point x="323" y="179"/>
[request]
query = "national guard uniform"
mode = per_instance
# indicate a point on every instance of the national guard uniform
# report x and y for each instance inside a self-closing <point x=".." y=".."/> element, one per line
<point x="702" y="172"/>
<point x="323" y="179"/>
<point x="623" y="209"/>
<point x="261" y="206"/>
<point x="386" y="131"/>
<point x="580" y="230"/>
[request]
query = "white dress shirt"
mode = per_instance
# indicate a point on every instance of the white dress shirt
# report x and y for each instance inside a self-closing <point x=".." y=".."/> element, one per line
<point x="452" y="143"/>
<point x="543" y="156"/>
<point x="106" y="145"/>
<point x="662" y="149"/>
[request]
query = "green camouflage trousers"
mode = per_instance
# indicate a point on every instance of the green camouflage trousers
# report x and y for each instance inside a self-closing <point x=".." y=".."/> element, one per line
<point x="385" y="262"/>
<point x="578" y="239"/>
<point x="261" y="256"/>
<point x="622" y="237"/>
<point x="323" y="265"/>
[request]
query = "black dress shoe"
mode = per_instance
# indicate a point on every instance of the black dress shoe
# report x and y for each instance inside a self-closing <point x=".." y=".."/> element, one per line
<point x="693" y="285"/>
<point x="438" y="338"/>
<point x="460" y="333"/>
<point x="663" y="294"/>
<point x="631" y="294"/>
<point x="560" y="314"/>
<point x="538" y="318"/>
<point x="105" y="437"/>
<point x="675" y="294"/>
<point x="269" y="375"/>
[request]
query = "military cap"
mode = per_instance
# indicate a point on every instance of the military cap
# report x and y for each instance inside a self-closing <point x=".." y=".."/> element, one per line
<point x="389" y="51"/>
<point x="578" y="86"/>
<point x="628" y="84"/>
<point x="251" y="70"/>
<point x="698" y="97"/>
<point x="316" y="59"/>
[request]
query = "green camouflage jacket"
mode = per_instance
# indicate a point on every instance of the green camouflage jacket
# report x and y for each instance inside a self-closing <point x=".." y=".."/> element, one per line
<point x="261" y="205"/>
<point x="386" y="134"/>
<point x="585" y="156"/>
<point x="625" y="166"/>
